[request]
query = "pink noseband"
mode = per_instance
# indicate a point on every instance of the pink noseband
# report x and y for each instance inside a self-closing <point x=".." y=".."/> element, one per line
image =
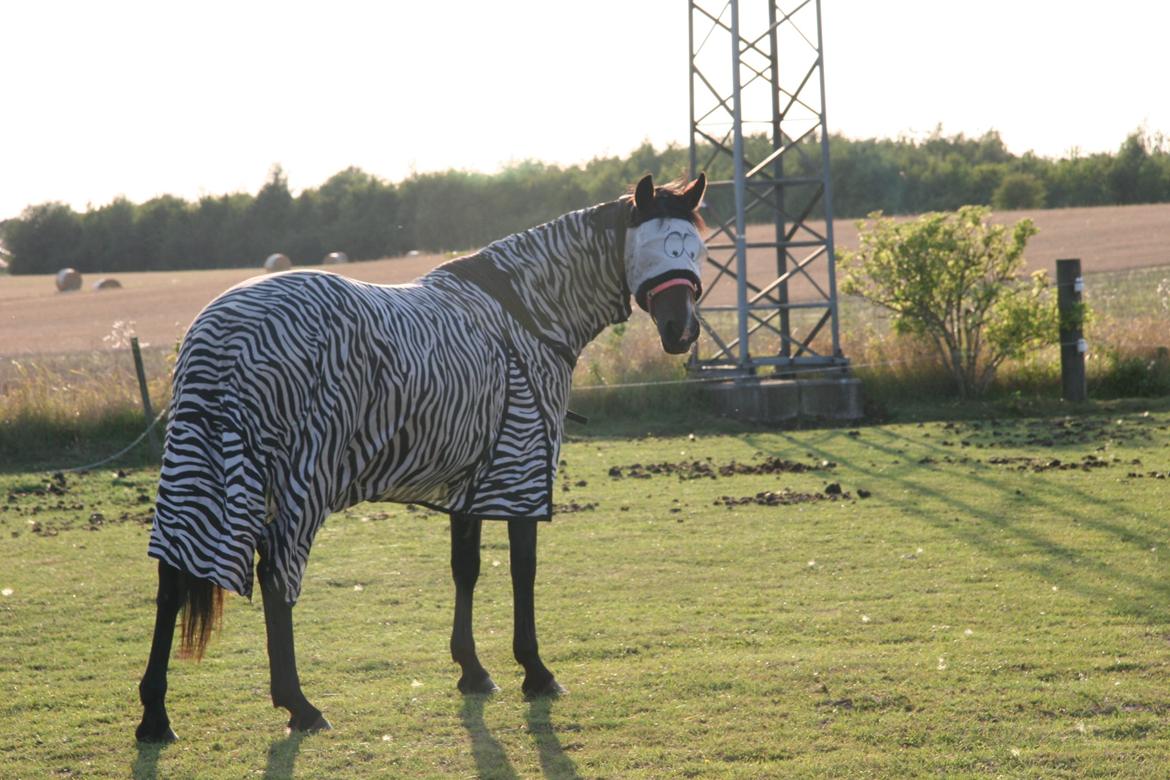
<point x="668" y="283"/>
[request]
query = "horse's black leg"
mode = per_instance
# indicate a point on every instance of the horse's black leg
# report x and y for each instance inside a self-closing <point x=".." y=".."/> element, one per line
<point x="282" y="659"/>
<point x="152" y="691"/>
<point x="538" y="680"/>
<point x="465" y="536"/>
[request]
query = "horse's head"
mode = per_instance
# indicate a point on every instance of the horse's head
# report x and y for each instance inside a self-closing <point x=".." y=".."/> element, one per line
<point x="664" y="252"/>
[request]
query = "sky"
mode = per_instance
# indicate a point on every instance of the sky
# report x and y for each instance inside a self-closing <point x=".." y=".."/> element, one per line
<point x="138" y="99"/>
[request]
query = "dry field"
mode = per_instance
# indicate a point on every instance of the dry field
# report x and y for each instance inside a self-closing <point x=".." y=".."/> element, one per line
<point x="1105" y="238"/>
<point x="35" y="319"/>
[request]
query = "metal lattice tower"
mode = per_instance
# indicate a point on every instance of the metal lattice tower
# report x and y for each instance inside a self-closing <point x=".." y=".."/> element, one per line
<point x="758" y="129"/>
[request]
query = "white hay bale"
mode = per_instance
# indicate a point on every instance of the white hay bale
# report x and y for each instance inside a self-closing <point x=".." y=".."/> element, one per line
<point x="107" y="283"/>
<point x="336" y="258"/>
<point x="68" y="279"/>
<point x="277" y="263"/>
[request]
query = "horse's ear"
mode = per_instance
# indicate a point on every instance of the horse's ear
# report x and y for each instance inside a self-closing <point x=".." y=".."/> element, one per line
<point x="693" y="194"/>
<point x="644" y="194"/>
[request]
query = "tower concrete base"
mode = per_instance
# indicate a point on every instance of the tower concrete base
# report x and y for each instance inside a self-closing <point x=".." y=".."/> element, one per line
<point x="787" y="400"/>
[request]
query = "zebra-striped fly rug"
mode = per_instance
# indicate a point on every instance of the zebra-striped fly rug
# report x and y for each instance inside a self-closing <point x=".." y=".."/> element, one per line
<point x="302" y="393"/>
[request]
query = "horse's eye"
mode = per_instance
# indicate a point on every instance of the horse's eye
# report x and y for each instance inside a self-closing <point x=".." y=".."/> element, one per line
<point x="674" y="244"/>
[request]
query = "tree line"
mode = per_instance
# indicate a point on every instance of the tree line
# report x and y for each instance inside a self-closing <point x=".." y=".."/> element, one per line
<point x="368" y="217"/>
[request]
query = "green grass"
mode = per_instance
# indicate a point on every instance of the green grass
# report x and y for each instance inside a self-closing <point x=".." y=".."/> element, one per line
<point x="970" y="618"/>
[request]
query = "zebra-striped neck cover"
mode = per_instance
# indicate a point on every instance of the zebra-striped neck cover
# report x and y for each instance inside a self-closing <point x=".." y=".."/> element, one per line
<point x="303" y="393"/>
<point x="570" y="272"/>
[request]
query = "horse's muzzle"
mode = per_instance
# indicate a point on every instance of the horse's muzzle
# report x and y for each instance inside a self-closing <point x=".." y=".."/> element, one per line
<point x="673" y="311"/>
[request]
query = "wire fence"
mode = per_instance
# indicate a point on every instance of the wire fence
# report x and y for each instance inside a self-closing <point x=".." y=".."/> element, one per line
<point x="91" y="466"/>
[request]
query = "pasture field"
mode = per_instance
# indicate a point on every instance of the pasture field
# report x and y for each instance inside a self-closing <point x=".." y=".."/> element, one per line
<point x="996" y="605"/>
<point x="35" y="319"/>
<point x="72" y="407"/>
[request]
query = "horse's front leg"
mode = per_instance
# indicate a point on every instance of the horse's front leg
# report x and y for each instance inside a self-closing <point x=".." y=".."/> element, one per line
<point x="152" y="691"/>
<point x="465" y="536"/>
<point x="538" y="680"/>
<point x="282" y="658"/>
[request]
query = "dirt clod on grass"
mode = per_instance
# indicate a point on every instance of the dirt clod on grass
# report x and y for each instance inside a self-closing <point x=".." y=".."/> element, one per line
<point x="1024" y="463"/>
<point x="784" y="497"/>
<point x="705" y="469"/>
<point x="573" y="506"/>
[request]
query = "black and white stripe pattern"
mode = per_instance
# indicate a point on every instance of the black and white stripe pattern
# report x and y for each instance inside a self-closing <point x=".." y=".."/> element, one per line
<point x="300" y="394"/>
<point x="520" y="482"/>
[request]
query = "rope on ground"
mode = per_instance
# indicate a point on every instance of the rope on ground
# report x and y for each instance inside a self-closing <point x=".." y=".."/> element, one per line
<point x="120" y="453"/>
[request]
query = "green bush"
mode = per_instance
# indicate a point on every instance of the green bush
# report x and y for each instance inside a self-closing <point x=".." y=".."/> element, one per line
<point x="954" y="279"/>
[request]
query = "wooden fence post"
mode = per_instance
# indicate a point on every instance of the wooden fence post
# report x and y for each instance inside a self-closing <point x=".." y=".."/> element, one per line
<point x="1069" y="287"/>
<point x="147" y="409"/>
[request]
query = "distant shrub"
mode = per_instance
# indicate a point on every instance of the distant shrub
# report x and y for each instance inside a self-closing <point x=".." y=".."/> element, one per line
<point x="1019" y="191"/>
<point x="1122" y="375"/>
<point x="44" y="239"/>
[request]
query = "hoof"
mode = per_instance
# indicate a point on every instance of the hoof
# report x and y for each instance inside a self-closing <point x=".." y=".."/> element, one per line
<point x="154" y="734"/>
<point x="484" y="686"/>
<point x="308" y="725"/>
<point x="551" y="689"/>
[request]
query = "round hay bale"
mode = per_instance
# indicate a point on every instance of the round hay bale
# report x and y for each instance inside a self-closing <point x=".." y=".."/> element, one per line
<point x="107" y="284"/>
<point x="277" y="263"/>
<point x="68" y="279"/>
<point x="336" y="258"/>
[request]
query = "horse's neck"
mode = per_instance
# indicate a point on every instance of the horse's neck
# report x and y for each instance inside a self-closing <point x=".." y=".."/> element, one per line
<point x="569" y="273"/>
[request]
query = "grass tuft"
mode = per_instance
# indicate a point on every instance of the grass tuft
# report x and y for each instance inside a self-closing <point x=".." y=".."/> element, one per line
<point x="58" y="410"/>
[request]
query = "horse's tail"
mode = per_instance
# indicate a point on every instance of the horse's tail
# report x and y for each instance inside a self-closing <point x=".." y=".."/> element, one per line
<point x="202" y="611"/>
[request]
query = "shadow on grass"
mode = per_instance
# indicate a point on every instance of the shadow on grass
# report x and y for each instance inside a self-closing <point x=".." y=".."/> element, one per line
<point x="282" y="756"/>
<point x="553" y="760"/>
<point x="995" y="533"/>
<point x="490" y="759"/>
<point x="145" y="766"/>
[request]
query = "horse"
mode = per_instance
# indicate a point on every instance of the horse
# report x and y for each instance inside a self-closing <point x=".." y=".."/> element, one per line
<point x="301" y="393"/>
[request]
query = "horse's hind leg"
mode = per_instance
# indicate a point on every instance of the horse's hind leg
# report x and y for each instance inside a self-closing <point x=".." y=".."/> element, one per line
<point x="465" y="536"/>
<point x="282" y="659"/>
<point x="538" y="680"/>
<point x="152" y="691"/>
